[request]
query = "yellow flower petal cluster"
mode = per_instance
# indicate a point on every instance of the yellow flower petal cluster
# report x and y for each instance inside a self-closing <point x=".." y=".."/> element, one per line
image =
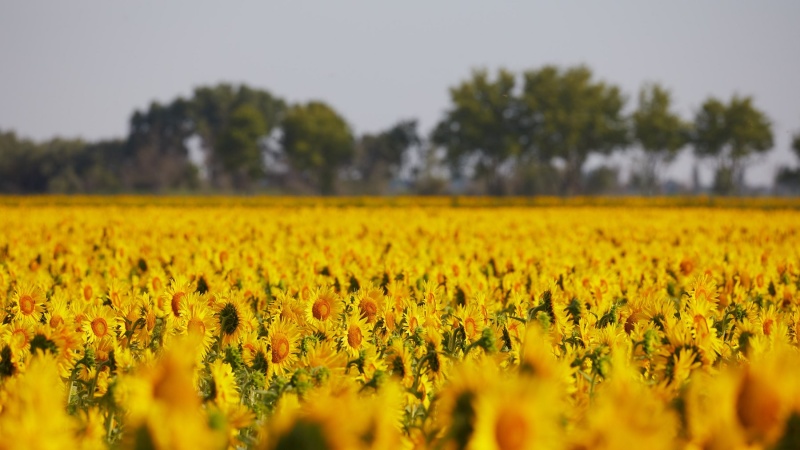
<point x="399" y="323"/>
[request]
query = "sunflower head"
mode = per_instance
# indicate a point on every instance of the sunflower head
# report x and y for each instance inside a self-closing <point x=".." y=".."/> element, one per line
<point x="370" y="301"/>
<point x="324" y="307"/>
<point x="284" y="339"/>
<point x="27" y="303"/>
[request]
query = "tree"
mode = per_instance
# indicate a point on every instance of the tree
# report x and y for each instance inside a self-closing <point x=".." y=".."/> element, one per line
<point x="213" y="115"/>
<point x="239" y="146"/>
<point x="211" y="111"/>
<point x="568" y="116"/>
<point x="381" y="157"/>
<point x="21" y="168"/>
<point x="58" y="165"/>
<point x="730" y="135"/>
<point x="158" y="138"/>
<point x="658" y="131"/>
<point x="788" y="179"/>
<point x="317" y="141"/>
<point x="480" y="131"/>
<point x="796" y="145"/>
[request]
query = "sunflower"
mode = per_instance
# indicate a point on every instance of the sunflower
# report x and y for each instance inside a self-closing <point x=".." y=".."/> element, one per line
<point x="17" y="335"/>
<point x="27" y="304"/>
<point x="704" y="289"/>
<point x="33" y="409"/>
<point x="117" y="293"/>
<point x="88" y="291"/>
<point x="370" y="301"/>
<point x="323" y="309"/>
<point x="515" y="415"/>
<point x="98" y="323"/>
<point x="469" y="317"/>
<point x="233" y="319"/>
<point x="175" y="295"/>
<point x="355" y="336"/>
<point x="255" y="352"/>
<point x="284" y="339"/>
<point x="399" y="360"/>
<point x="57" y="310"/>
<point x="413" y="318"/>
<point x="197" y="322"/>
<point x="287" y="307"/>
<point x="324" y="354"/>
<point x="91" y="431"/>
<point x="223" y="385"/>
<point x="68" y="343"/>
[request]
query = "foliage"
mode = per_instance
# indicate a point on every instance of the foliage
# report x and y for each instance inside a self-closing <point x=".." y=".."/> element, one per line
<point x="567" y="115"/>
<point x="481" y="130"/>
<point x="658" y="131"/>
<point x="730" y="135"/>
<point x="317" y="140"/>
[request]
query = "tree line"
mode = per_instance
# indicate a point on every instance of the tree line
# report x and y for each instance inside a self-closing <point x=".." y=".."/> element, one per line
<point x="508" y="134"/>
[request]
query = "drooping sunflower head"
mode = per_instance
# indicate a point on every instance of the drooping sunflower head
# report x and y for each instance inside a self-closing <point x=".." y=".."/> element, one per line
<point x="175" y="295"/>
<point x="370" y="300"/>
<point x="399" y="361"/>
<point x="256" y="353"/>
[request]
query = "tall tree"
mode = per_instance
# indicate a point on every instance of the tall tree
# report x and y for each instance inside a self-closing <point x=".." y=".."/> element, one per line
<point x="317" y="141"/>
<point x="480" y="130"/>
<point x="730" y="135"/>
<point x="380" y="157"/>
<point x="158" y="138"/>
<point x="658" y="131"/>
<point x="788" y="178"/>
<point x="239" y="146"/>
<point x="213" y="107"/>
<point x="567" y="115"/>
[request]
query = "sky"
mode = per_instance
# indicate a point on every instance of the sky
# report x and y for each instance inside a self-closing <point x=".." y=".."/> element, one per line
<point x="79" y="68"/>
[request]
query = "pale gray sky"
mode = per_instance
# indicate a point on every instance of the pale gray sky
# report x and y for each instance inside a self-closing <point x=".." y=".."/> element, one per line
<point x="79" y="68"/>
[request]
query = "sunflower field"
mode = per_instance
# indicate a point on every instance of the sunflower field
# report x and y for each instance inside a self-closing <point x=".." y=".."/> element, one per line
<point x="398" y="324"/>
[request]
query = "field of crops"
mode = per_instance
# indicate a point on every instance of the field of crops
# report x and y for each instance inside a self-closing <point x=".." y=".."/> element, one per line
<point x="130" y="323"/>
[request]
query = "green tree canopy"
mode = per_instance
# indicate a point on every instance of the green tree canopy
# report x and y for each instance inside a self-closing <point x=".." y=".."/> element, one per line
<point x="213" y="107"/>
<point x="239" y="146"/>
<point x="567" y="115"/>
<point x="481" y="127"/>
<point x="163" y="131"/>
<point x="730" y="135"/>
<point x="317" y="141"/>
<point x="659" y="132"/>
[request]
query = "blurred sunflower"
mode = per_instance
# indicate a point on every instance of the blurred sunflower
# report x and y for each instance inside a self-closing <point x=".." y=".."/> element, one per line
<point x="198" y="322"/>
